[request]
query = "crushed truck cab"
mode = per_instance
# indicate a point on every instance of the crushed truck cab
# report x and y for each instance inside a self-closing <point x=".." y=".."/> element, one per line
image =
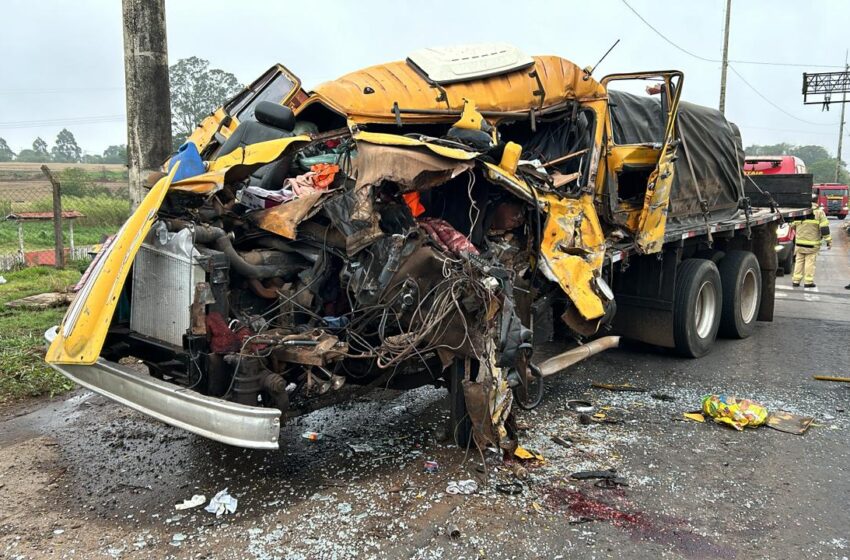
<point x="420" y="222"/>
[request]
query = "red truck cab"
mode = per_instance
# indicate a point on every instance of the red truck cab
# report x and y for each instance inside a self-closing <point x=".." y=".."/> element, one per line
<point x="776" y="166"/>
<point x="773" y="165"/>
<point x="832" y="198"/>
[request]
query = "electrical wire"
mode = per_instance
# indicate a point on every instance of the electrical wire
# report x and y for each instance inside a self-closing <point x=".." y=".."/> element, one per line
<point x="774" y="105"/>
<point x="729" y="65"/>
<point x="714" y="60"/>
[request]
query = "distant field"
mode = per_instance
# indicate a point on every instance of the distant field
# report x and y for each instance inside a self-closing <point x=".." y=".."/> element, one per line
<point x="98" y="192"/>
<point x="23" y="183"/>
<point x="9" y="166"/>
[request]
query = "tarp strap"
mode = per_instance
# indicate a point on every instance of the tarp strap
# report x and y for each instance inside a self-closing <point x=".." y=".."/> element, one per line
<point x="703" y="204"/>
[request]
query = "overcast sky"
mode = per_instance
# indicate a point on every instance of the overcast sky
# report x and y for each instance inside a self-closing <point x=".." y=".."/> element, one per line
<point x="62" y="60"/>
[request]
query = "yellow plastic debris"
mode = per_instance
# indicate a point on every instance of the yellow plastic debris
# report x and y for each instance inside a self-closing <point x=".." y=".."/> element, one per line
<point x="537" y="507"/>
<point x="525" y="454"/>
<point x="695" y="416"/>
<point x="738" y="413"/>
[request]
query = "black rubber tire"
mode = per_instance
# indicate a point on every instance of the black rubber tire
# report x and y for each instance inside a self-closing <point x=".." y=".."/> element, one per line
<point x="460" y="426"/>
<point x="691" y="275"/>
<point x="734" y="268"/>
<point x="788" y="263"/>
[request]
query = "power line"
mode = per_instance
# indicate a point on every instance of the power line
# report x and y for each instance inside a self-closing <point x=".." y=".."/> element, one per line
<point x="774" y="105"/>
<point x="814" y="132"/>
<point x="27" y="91"/>
<point x="660" y="34"/>
<point x="704" y="59"/>
<point x="68" y="121"/>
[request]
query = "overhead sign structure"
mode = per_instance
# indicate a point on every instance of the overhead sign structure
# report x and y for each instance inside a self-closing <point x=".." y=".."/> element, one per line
<point x="819" y="88"/>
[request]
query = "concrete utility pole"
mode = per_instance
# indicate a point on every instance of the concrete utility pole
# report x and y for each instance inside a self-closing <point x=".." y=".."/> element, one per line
<point x="148" y="94"/>
<point x="841" y="126"/>
<point x="725" y="63"/>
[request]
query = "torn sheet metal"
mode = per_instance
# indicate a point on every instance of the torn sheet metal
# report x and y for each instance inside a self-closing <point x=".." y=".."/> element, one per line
<point x="653" y="217"/>
<point x="284" y="218"/>
<point x="384" y="139"/>
<point x="410" y="169"/>
<point x="573" y="250"/>
<point x="204" y="184"/>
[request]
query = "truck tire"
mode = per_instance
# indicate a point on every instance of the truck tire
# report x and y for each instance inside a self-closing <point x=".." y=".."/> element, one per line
<point x="740" y="277"/>
<point x="697" y="304"/>
<point x="460" y="425"/>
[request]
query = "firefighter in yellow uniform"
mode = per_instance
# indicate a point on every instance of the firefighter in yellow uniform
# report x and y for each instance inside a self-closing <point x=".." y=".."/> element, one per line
<point x="811" y="232"/>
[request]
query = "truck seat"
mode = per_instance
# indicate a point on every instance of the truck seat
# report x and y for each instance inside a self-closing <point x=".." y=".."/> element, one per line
<point x="273" y="121"/>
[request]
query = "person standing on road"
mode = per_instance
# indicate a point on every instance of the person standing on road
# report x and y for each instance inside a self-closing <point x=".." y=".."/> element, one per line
<point x="811" y="232"/>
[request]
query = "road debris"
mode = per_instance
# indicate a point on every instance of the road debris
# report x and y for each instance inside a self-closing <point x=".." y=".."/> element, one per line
<point x="193" y="502"/>
<point x="563" y="442"/>
<point x="431" y="466"/>
<point x="520" y="472"/>
<point x="509" y="488"/>
<point x="580" y="406"/>
<point x="789" y="423"/>
<point x="177" y="539"/>
<point x="526" y="455"/>
<point x="587" y="475"/>
<point x="831" y="378"/>
<point x="614" y="387"/>
<point x="222" y="503"/>
<point x="735" y="412"/>
<point x="663" y="397"/>
<point x="695" y="416"/>
<point x="464" y="487"/>
<point x="311" y="436"/>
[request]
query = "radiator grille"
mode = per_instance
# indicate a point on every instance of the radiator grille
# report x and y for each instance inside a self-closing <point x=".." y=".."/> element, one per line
<point x="163" y="287"/>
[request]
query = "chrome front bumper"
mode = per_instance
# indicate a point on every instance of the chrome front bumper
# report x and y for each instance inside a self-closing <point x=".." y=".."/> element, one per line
<point x="234" y="424"/>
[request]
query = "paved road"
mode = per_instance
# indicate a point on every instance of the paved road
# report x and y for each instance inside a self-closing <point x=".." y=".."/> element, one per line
<point x="81" y="477"/>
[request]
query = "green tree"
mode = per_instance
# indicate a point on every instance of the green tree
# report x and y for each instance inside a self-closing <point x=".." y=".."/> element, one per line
<point x="39" y="146"/>
<point x="772" y="150"/>
<point x="6" y="153"/>
<point x="196" y="90"/>
<point x="810" y="154"/>
<point x="824" y="171"/>
<point x="115" y="154"/>
<point x="38" y="153"/>
<point x="92" y="158"/>
<point x="66" y="149"/>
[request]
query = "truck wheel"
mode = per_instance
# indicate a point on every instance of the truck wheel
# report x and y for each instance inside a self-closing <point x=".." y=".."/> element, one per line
<point x="788" y="263"/>
<point x="460" y="425"/>
<point x="740" y="277"/>
<point x="697" y="302"/>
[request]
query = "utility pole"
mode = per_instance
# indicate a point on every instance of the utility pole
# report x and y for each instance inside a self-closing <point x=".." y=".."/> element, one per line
<point x="148" y="94"/>
<point x="725" y="63"/>
<point x="841" y="125"/>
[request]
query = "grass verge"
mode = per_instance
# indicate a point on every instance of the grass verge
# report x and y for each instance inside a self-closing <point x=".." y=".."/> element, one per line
<point x="23" y="372"/>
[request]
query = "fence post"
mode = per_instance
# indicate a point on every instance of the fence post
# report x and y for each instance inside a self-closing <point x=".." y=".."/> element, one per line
<point x="59" y="250"/>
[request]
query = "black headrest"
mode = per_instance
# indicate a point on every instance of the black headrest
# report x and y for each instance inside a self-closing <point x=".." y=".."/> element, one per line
<point x="274" y="115"/>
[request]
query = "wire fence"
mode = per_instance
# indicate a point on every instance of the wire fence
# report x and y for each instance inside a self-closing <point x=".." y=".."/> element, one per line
<point x="94" y="201"/>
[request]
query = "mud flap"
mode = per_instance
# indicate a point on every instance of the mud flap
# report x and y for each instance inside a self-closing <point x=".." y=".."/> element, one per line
<point x="764" y="243"/>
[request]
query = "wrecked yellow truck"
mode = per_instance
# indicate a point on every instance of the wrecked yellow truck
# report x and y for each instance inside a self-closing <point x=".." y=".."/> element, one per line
<point x="419" y="222"/>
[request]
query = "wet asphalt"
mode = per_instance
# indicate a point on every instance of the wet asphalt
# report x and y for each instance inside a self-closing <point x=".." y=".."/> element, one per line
<point x="82" y="477"/>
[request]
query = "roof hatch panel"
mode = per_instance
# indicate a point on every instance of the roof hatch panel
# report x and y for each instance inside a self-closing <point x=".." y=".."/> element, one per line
<point x="446" y="65"/>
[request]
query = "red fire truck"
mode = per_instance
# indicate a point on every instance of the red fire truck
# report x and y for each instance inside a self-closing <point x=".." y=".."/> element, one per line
<point x="832" y="197"/>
